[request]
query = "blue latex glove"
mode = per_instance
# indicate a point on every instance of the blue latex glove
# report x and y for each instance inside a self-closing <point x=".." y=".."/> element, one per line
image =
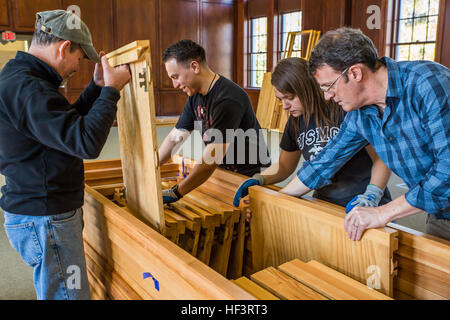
<point x="370" y="198"/>
<point x="242" y="191"/>
<point x="170" y="196"/>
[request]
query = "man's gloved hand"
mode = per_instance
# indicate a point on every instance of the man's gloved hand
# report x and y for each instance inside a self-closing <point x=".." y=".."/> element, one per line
<point x="370" y="198"/>
<point x="171" y="195"/>
<point x="242" y="191"/>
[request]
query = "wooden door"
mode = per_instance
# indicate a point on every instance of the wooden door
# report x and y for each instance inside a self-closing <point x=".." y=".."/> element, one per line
<point x="98" y="16"/>
<point x="24" y="12"/>
<point x="5" y="20"/>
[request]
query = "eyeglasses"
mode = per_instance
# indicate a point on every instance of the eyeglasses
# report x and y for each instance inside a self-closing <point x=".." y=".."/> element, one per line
<point x="326" y="89"/>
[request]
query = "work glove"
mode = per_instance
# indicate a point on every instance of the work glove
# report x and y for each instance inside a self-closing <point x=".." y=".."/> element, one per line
<point x="171" y="195"/>
<point x="370" y="198"/>
<point x="242" y="191"/>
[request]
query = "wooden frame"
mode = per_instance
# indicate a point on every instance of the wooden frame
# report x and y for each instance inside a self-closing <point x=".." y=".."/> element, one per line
<point x="137" y="134"/>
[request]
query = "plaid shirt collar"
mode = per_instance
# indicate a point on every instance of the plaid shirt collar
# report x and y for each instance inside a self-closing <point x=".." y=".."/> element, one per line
<point x="394" y="90"/>
<point x="395" y="82"/>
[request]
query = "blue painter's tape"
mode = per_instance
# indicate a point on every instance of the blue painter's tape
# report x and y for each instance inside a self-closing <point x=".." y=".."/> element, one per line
<point x="146" y="275"/>
<point x="156" y="284"/>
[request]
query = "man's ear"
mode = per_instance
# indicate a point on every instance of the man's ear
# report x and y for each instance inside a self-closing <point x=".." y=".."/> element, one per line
<point x="63" y="48"/>
<point x="355" y="72"/>
<point x="195" y="67"/>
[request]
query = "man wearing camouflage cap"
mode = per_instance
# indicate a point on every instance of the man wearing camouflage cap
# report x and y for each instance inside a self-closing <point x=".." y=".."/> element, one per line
<point x="43" y="139"/>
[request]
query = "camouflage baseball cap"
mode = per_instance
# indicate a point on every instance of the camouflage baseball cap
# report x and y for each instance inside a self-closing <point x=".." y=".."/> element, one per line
<point x="68" y="26"/>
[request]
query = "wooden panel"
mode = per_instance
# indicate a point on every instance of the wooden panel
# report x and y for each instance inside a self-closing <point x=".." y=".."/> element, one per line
<point x="357" y="289"/>
<point x="258" y="8"/>
<point x="137" y="19"/>
<point x="218" y="37"/>
<point x="284" y="228"/>
<point x="289" y="5"/>
<point x="171" y="102"/>
<point x="253" y="94"/>
<point x="25" y="12"/>
<point x="334" y="15"/>
<point x="360" y="17"/>
<point x="138" y="143"/>
<point x="132" y="247"/>
<point x="423" y="264"/>
<point x="102" y="35"/>
<point x="268" y="109"/>
<point x="285" y="287"/>
<point x="182" y="16"/>
<point x="443" y="36"/>
<point x="5" y="20"/>
<point x="254" y="289"/>
<point x="313" y="14"/>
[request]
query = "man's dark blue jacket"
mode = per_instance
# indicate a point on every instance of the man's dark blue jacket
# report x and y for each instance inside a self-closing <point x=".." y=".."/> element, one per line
<point x="43" y="138"/>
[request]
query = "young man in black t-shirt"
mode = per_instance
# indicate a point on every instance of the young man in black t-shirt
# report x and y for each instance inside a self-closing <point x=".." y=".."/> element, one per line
<point x="223" y="114"/>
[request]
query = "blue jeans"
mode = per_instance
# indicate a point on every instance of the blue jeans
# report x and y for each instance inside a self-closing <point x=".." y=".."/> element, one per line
<point x="53" y="246"/>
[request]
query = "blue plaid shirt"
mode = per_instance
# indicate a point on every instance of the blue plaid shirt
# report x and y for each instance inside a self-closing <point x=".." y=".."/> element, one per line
<point x="411" y="136"/>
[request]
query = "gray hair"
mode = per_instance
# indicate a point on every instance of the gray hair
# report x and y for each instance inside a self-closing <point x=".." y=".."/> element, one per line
<point x="44" y="39"/>
<point x="343" y="48"/>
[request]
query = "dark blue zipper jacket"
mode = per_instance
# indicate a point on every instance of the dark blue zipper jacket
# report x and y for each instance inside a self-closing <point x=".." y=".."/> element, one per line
<point x="43" y="138"/>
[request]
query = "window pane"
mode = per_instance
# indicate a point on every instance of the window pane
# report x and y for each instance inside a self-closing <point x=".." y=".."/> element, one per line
<point x="291" y="22"/>
<point x="405" y="30"/>
<point x="420" y="29"/>
<point x="434" y="7"/>
<point x="432" y="28"/>
<point x="421" y="8"/>
<point x="429" y="51"/>
<point x="417" y="52"/>
<point x="297" y="43"/>
<point x="261" y="61"/>
<point x="256" y="78"/>
<point x="258" y="50"/>
<point x="402" y="53"/>
<point x="406" y="9"/>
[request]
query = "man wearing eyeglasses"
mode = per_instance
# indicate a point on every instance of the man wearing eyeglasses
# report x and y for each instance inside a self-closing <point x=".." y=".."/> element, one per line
<point x="402" y="110"/>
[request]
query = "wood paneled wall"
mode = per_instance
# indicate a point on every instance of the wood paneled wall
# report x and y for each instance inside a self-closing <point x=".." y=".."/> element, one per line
<point x="218" y="25"/>
<point x="114" y="23"/>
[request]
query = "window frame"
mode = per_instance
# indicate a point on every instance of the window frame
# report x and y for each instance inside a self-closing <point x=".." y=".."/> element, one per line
<point x="251" y="53"/>
<point x="395" y="44"/>
<point x="281" y="45"/>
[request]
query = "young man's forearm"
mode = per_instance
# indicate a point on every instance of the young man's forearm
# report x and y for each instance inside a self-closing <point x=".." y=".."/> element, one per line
<point x="199" y="174"/>
<point x="165" y="150"/>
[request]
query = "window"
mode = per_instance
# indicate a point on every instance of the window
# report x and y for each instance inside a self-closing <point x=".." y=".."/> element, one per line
<point x="258" y="51"/>
<point x="291" y="22"/>
<point x="417" y="24"/>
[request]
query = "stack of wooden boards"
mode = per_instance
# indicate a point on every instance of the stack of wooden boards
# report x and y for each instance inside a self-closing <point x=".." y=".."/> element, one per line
<point x="297" y="280"/>
<point x="203" y="223"/>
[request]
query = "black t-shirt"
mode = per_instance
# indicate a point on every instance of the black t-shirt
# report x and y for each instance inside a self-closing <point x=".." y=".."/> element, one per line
<point x="348" y="182"/>
<point x="226" y="115"/>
